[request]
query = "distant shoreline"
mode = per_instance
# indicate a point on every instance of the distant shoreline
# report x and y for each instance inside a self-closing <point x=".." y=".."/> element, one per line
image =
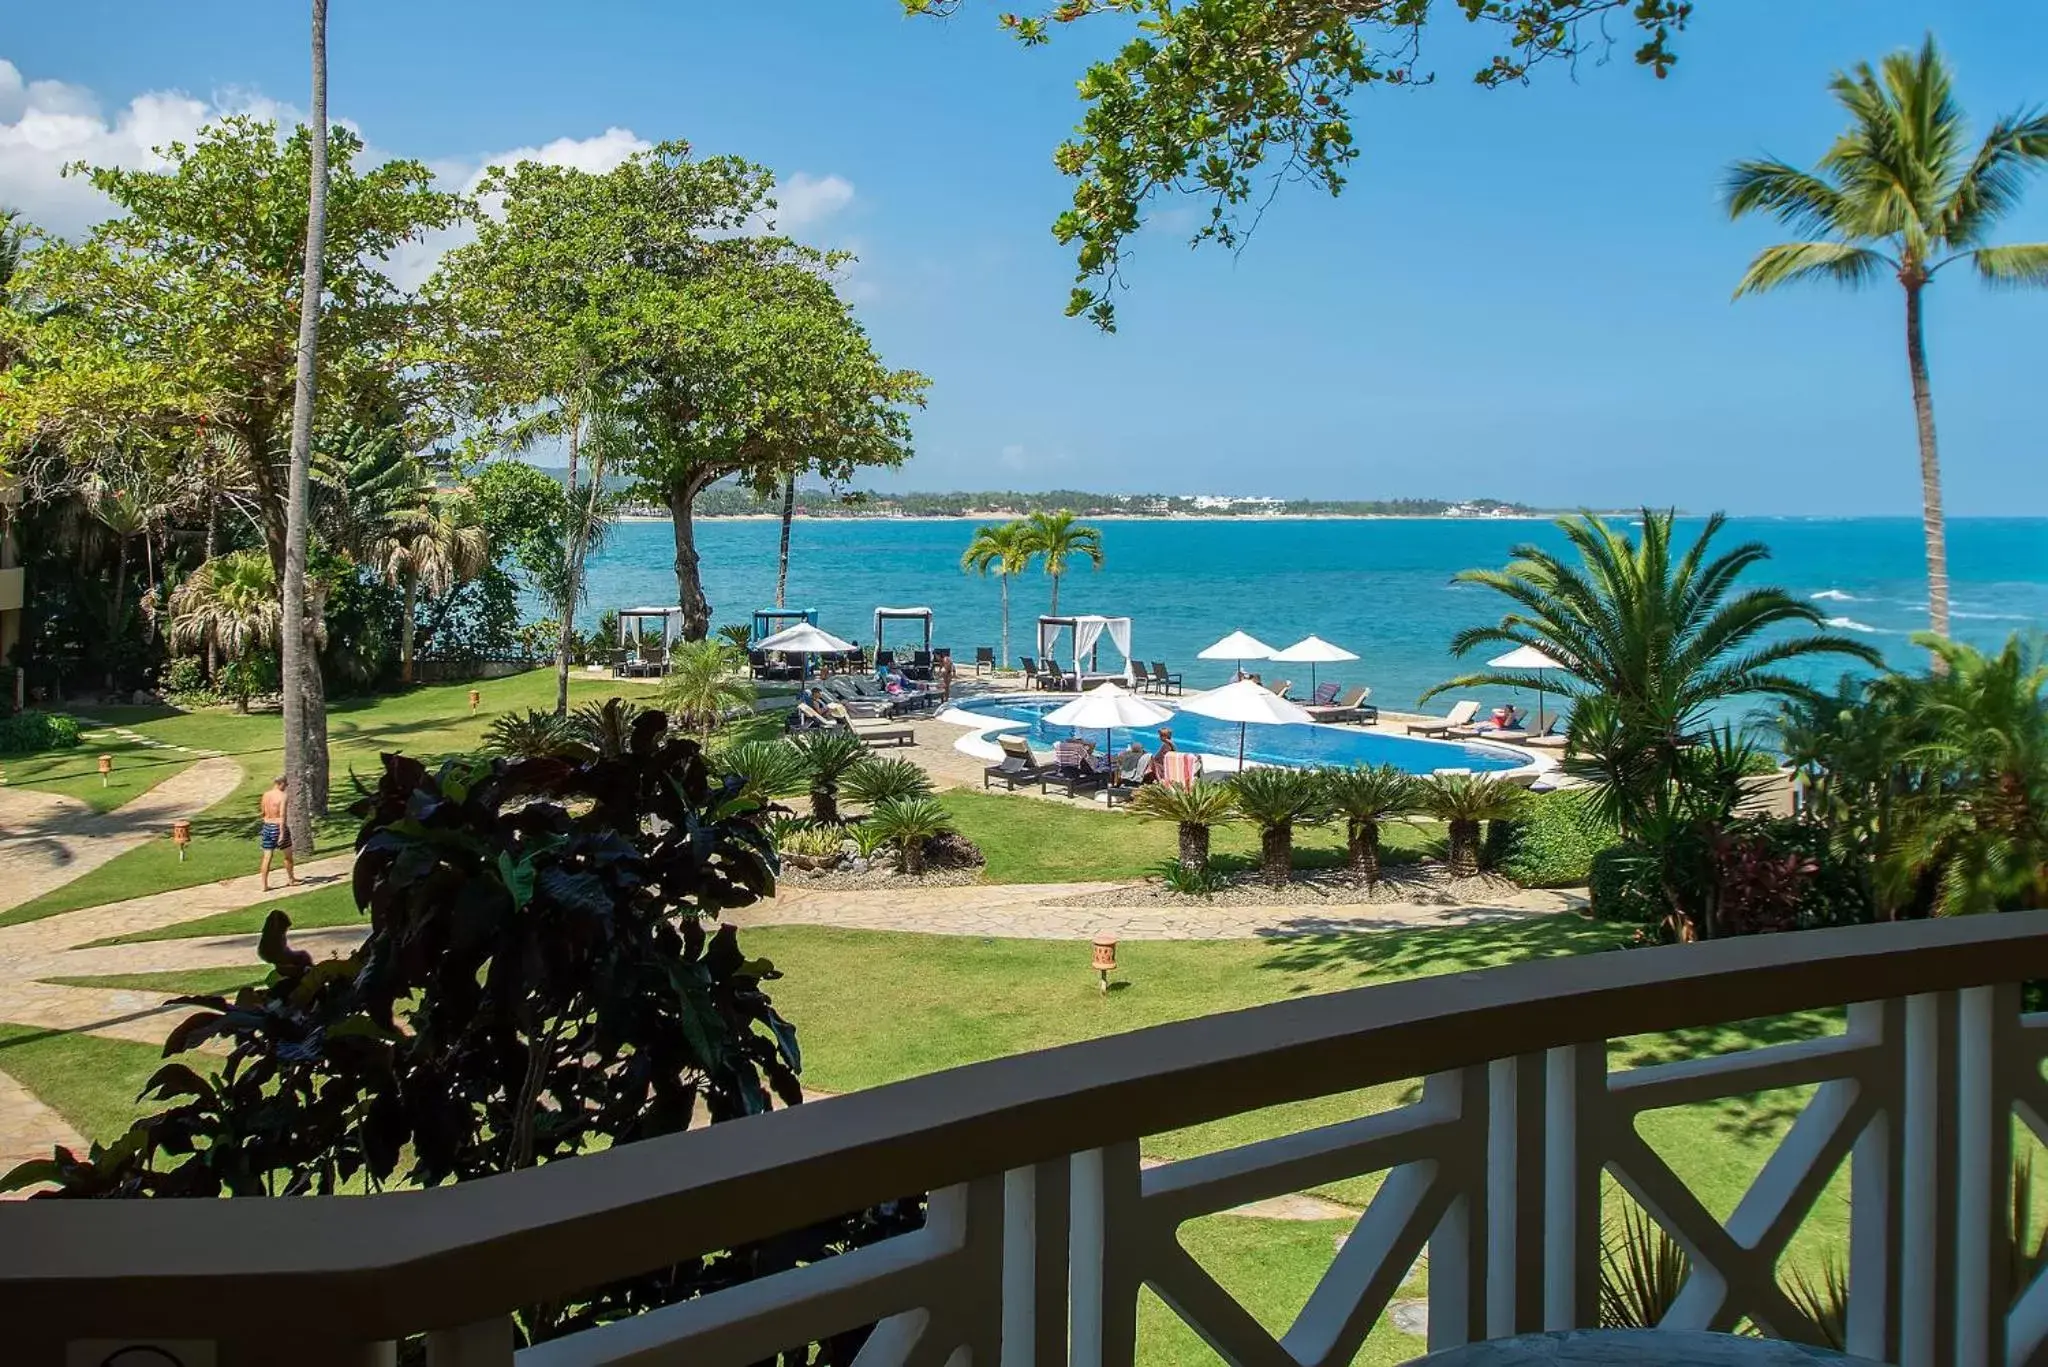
<point x="1112" y="517"/>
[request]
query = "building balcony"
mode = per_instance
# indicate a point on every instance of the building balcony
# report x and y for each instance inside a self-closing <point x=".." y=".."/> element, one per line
<point x="1043" y="1226"/>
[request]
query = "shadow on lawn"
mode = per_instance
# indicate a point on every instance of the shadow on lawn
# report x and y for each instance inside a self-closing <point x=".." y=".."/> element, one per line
<point x="1324" y="959"/>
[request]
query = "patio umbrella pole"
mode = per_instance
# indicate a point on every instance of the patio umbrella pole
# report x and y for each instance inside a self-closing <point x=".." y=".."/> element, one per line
<point x="1240" y="747"/>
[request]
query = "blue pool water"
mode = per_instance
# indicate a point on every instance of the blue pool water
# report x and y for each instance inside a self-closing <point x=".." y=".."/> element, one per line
<point x="1299" y="744"/>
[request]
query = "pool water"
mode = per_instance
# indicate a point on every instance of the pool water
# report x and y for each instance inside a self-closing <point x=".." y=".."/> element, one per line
<point x="1297" y="744"/>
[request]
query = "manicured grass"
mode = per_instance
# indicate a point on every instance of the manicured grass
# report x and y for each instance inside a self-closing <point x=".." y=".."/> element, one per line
<point x="90" y="1081"/>
<point x="328" y="906"/>
<point x="194" y="982"/>
<point x="75" y="772"/>
<point x="1049" y="842"/>
<point x="428" y="722"/>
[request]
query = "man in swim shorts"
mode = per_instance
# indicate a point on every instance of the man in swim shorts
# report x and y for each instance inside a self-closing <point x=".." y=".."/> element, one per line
<point x="276" y="835"/>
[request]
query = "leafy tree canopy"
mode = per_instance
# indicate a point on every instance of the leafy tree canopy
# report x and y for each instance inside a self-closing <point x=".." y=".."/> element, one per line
<point x="1229" y="99"/>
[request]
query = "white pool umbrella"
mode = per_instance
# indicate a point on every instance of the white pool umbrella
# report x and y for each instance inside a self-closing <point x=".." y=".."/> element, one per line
<point x="1248" y="704"/>
<point x="805" y="640"/>
<point x="1238" y="646"/>
<point x="1312" y="651"/>
<point x="1108" y="706"/>
<point x="1528" y="657"/>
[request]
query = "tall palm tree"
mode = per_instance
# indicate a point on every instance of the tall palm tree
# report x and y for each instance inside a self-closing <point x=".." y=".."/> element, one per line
<point x="1651" y="638"/>
<point x="305" y="724"/>
<point x="782" y="555"/>
<point x="609" y="441"/>
<point x="431" y="549"/>
<point x="229" y="605"/>
<point x="1003" y="549"/>
<point x="1057" y="538"/>
<point x="1900" y="194"/>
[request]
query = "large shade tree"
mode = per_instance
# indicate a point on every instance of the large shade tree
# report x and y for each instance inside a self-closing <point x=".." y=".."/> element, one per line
<point x="175" y="326"/>
<point x="1902" y="194"/>
<point x="1227" y="100"/>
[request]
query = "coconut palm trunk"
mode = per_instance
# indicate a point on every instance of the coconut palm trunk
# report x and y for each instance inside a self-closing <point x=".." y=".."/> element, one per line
<point x="408" y="630"/>
<point x="782" y="559"/>
<point x="304" y="707"/>
<point x="1276" y="853"/>
<point x="1934" y="525"/>
<point x="1194" y="846"/>
<point x="1003" y="659"/>
<point x="1463" y="854"/>
<point x="1362" y="848"/>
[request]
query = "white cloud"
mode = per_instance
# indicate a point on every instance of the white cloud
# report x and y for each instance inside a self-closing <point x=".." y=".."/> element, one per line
<point x="804" y="199"/>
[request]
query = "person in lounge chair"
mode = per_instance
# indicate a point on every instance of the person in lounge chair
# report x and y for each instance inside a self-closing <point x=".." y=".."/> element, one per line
<point x="1155" y="768"/>
<point x="1133" y="764"/>
<point x="811" y="713"/>
<point x="829" y="707"/>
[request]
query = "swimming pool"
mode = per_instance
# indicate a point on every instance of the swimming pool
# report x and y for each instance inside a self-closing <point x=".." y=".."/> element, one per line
<point x="1299" y="744"/>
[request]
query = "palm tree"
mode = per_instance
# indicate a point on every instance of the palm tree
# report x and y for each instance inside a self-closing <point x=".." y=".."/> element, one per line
<point x="1057" y="538"/>
<point x="1651" y="638"/>
<point x="229" y="605"/>
<point x="910" y="822"/>
<point x="305" y="723"/>
<point x="1005" y="549"/>
<point x="782" y="556"/>
<point x="431" y="549"/>
<point x="831" y="756"/>
<point x="1195" y="807"/>
<point x="1901" y="193"/>
<point x="1365" y="795"/>
<point x="597" y="428"/>
<point x="704" y="683"/>
<point x="1462" y="802"/>
<point x="1275" y="800"/>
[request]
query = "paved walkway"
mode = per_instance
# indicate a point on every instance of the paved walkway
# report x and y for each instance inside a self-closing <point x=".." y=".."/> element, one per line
<point x="47" y="840"/>
<point x="29" y="1129"/>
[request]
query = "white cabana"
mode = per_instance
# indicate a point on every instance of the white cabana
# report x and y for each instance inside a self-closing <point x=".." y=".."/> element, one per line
<point x="1108" y="706"/>
<point x="671" y="620"/>
<point x="884" y="615"/>
<point x="1248" y="704"/>
<point x="1088" y="633"/>
<point x="1238" y="646"/>
<point x="1313" y="650"/>
<point x="1536" y="661"/>
<point x="805" y="640"/>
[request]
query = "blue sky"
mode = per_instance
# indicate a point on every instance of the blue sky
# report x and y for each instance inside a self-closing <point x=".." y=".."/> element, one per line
<point x="1524" y="292"/>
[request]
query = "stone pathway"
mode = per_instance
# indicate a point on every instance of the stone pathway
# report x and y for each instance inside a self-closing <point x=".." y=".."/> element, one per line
<point x="28" y="1128"/>
<point x="46" y="840"/>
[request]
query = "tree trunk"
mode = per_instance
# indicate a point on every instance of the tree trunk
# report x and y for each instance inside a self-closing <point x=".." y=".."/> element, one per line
<point x="406" y="628"/>
<point x="782" y="564"/>
<point x="1194" y="845"/>
<point x="1276" y="853"/>
<point x="579" y="528"/>
<point x="913" y="856"/>
<point x="1362" y="844"/>
<point x="682" y="503"/>
<point x="114" y="604"/>
<point x="305" y="712"/>
<point x="1463" y="855"/>
<point x="1055" y="610"/>
<point x="212" y="540"/>
<point x="1003" y="660"/>
<point x="1930" y="472"/>
<point x="825" y="804"/>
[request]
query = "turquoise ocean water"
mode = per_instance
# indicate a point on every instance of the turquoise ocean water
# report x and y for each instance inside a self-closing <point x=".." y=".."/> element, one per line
<point x="1381" y="588"/>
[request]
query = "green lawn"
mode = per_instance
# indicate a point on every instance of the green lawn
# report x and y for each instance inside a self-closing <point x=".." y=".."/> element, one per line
<point x="76" y="772"/>
<point x="191" y="982"/>
<point x="428" y="722"/>
<point x="91" y="1082"/>
<point x="334" y="905"/>
<point x="1027" y="841"/>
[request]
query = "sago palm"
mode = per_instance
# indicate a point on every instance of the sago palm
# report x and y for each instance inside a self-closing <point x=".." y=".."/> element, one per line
<point x="229" y="605"/>
<point x="908" y="822"/>
<point x="1651" y="637"/>
<point x="1195" y="807"/>
<point x="1901" y="194"/>
<point x="1057" y="539"/>
<point x="1003" y="550"/>
<point x="1276" y="800"/>
<point x="829" y="756"/>
<point x="1462" y="802"/>
<point x="1364" y="796"/>
<point x="704" y="683"/>
<point x="431" y="549"/>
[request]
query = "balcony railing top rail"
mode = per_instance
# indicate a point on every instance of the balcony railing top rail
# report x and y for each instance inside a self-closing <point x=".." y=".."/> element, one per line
<point x="406" y="1261"/>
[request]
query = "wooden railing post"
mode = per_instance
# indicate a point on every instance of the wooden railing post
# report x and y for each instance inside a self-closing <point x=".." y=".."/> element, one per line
<point x="1876" y="1193"/>
<point x="487" y="1343"/>
<point x="1927" y="1269"/>
<point x="1457" y="1250"/>
<point x="1036" y="1214"/>
<point x="1104" y="1257"/>
<point x="1576" y="1084"/>
<point x="1515" y="1152"/>
<point x="1987" y="1025"/>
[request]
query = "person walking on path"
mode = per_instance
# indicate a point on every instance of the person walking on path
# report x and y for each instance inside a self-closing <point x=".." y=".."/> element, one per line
<point x="276" y="836"/>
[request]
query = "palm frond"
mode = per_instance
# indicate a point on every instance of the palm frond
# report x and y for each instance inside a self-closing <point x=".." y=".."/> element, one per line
<point x="1799" y="199"/>
<point x="1840" y="263"/>
<point x="2017" y="266"/>
<point x="1990" y="188"/>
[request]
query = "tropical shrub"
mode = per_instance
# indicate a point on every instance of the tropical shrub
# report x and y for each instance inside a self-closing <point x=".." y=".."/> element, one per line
<point x="1744" y="877"/>
<point x="1195" y="807"/>
<point x="704" y="683"/>
<point x="1364" y="796"/>
<point x="26" y="733"/>
<point x="533" y="735"/>
<point x="1642" y="1270"/>
<point x="909" y="823"/>
<point x="767" y="769"/>
<point x="1551" y="842"/>
<point x="807" y="845"/>
<point x="829" y="756"/>
<point x="874" y="781"/>
<point x="184" y="674"/>
<point x="1463" y="802"/>
<point x="1276" y="800"/>
<point x="1192" y="881"/>
<point x="606" y="727"/>
<point x="868" y="838"/>
<point x="738" y="635"/>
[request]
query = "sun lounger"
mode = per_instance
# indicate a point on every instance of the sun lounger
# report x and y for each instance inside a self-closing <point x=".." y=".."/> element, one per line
<point x="1325" y="694"/>
<point x="1350" y="707"/>
<point x="1278" y="690"/>
<point x="1553" y="737"/>
<point x="876" y="733"/>
<point x="1460" y="715"/>
<point x="1018" y="766"/>
<point x="1125" y="777"/>
<point x="1486" y="730"/>
<point x="1073" y="770"/>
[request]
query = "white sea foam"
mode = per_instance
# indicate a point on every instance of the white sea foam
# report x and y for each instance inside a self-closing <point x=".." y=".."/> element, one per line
<point x="1832" y="596"/>
<point x="1851" y="624"/>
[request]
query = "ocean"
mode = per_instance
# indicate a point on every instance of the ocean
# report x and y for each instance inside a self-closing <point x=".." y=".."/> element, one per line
<point x="1380" y="588"/>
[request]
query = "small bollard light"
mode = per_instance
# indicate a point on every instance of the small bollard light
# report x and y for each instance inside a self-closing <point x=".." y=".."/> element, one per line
<point x="1105" y="958"/>
<point x="106" y="768"/>
<point x="181" y="833"/>
<point x="475" y="700"/>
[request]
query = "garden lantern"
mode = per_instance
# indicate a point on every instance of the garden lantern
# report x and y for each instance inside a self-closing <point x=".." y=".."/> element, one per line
<point x="1105" y="958"/>
<point x="106" y="768"/>
<point x="181" y="832"/>
<point x="475" y="699"/>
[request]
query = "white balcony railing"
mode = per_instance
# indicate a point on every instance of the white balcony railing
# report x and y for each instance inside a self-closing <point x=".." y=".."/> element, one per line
<point x="1043" y="1226"/>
